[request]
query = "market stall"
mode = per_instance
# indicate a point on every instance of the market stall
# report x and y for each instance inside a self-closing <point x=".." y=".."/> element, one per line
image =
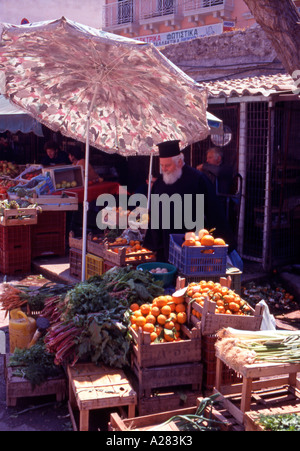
<point x="128" y="341"/>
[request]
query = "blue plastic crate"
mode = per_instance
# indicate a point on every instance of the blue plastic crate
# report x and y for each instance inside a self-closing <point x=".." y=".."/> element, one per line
<point x="197" y="260"/>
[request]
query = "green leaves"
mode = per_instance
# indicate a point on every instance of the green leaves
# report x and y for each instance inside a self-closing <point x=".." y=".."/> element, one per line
<point x="99" y="309"/>
<point x="34" y="364"/>
<point x="284" y="422"/>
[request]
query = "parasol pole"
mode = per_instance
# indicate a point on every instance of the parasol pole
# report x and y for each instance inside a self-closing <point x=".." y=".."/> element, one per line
<point x="86" y="184"/>
<point x="149" y="179"/>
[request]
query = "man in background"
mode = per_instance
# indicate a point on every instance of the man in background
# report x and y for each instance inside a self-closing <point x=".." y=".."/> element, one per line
<point x="54" y="156"/>
<point x="220" y="174"/>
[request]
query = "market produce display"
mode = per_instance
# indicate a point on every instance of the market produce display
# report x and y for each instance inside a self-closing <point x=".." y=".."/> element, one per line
<point x="34" y="364"/>
<point x="227" y="301"/>
<point x="30" y="175"/>
<point x="34" y="298"/>
<point x="13" y="212"/>
<point x="280" y="422"/>
<point x="249" y="347"/>
<point x="276" y="296"/>
<point x="162" y="318"/>
<point x="6" y="184"/>
<point x="92" y="322"/>
<point x="9" y="169"/>
<point x="202" y="238"/>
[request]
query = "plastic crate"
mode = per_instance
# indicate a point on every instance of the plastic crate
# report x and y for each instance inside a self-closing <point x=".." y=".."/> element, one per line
<point x="93" y="266"/>
<point x="75" y="259"/>
<point x="15" y="262"/>
<point x="197" y="260"/>
<point x="51" y="221"/>
<point x="47" y="243"/>
<point x="48" y="235"/>
<point x="14" y="237"/>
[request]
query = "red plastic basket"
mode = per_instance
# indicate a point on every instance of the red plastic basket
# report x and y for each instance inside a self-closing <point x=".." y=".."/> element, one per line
<point x="14" y="237"/>
<point x="229" y="376"/>
<point x="51" y="221"/>
<point x="47" y="243"/>
<point x="49" y="234"/>
<point x="15" y="262"/>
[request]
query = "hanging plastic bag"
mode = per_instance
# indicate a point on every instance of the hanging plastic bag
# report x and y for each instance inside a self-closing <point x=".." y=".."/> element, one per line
<point x="268" y="321"/>
<point x="236" y="260"/>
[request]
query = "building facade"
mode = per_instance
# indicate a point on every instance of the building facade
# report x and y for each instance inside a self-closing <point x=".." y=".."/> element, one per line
<point x="165" y="22"/>
<point x="171" y="21"/>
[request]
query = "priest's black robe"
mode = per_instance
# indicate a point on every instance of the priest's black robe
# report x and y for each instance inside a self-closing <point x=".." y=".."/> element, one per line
<point x="191" y="182"/>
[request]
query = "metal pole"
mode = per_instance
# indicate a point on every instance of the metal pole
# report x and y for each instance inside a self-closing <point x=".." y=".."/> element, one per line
<point x="243" y="171"/>
<point x="149" y="180"/>
<point x="266" y="257"/>
<point x="86" y="184"/>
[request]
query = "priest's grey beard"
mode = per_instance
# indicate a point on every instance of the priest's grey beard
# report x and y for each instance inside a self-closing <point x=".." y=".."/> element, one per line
<point x="170" y="179"/>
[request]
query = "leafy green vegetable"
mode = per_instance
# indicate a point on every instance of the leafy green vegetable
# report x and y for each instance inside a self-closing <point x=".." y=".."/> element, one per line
<point x="34" y="364"/>
<point x="280" y="422"/>
<point x="95" y="317"/>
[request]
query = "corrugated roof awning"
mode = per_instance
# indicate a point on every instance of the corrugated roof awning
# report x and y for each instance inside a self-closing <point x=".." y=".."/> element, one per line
<point x="265" y="85"/>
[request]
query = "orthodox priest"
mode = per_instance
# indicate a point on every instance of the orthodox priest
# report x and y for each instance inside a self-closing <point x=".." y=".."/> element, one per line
<point x="178" y="180"/>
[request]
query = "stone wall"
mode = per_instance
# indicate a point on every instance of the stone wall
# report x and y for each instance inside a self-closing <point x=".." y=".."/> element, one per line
<point x="233" y="54"/>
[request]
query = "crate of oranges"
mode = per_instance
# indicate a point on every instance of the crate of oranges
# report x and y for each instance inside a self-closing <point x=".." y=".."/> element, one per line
<point x="215" y="306"/>
<point x="160" y="334"/>
<point x="198" y="254"/>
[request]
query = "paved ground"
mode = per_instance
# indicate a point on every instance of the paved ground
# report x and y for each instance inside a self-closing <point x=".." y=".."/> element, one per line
<point x="45" y="414"/>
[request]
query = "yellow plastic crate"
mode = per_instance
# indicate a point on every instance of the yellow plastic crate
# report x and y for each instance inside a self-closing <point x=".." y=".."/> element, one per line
<point x="93" y="266"/>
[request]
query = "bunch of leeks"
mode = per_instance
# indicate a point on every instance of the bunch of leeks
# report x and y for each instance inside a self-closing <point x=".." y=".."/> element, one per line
<point x="276" y="346"/>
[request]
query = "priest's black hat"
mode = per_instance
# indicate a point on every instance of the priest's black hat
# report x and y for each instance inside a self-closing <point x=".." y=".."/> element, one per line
<point x="169" y="149"/>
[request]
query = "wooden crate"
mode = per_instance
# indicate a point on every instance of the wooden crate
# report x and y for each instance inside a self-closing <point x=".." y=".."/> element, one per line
<point x="184" y="374"/>
<point x="66" y="201"/>
<point x="234" y="275"/>
<point x="113" y="255"/>
<point x="147" y="354"/>
<point x="74" y="242"/>
<point x="211" y="322"/>
<point x="11" y="217"/>
<point x="68" y="173"/>
<point x="117" y="255"/>
<point x="94" y="387"/>
<point x="263" y="385"/>
<point x="167" y="399"/>
<point x="148" y="422"/>
<point x="18" y="387"/>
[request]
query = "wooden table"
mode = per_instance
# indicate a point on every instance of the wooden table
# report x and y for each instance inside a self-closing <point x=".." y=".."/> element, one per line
<point x="94" y="387"/>
<point x="258" y="380"/>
